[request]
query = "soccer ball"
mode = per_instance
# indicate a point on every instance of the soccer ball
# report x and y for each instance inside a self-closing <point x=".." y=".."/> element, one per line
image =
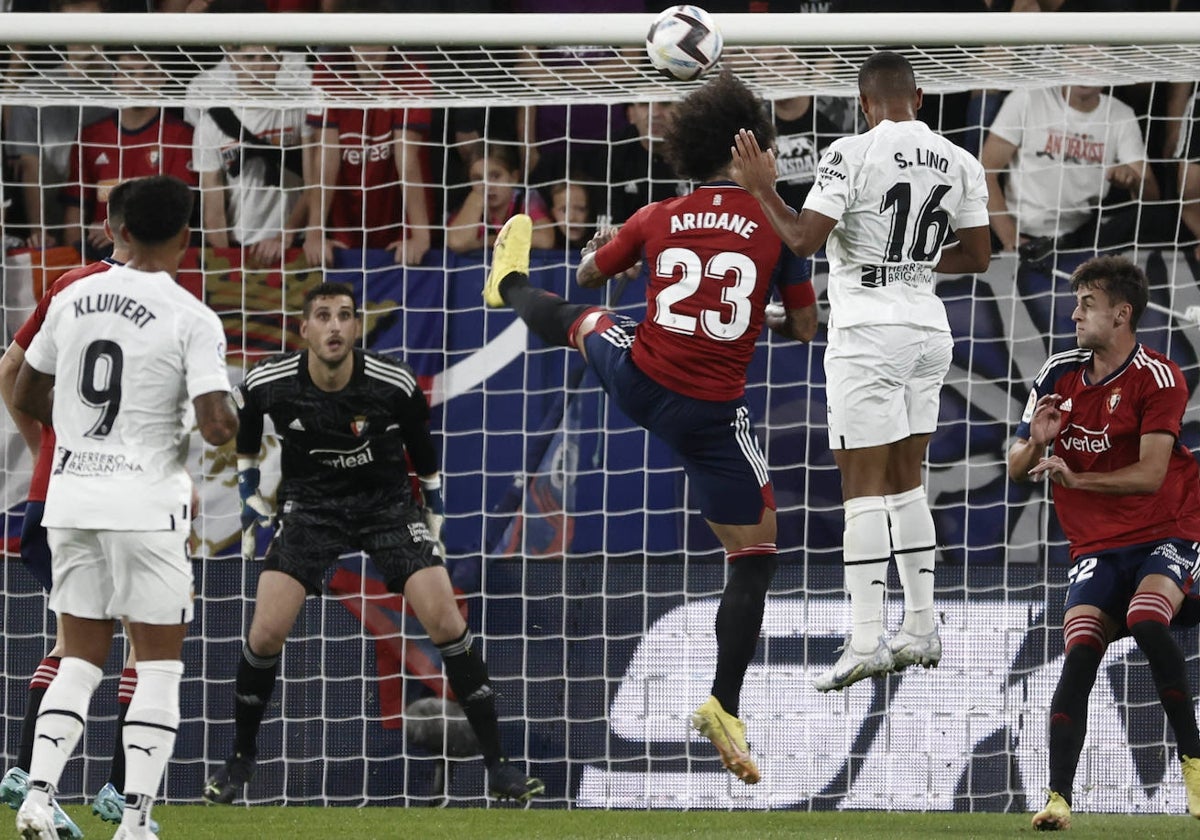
<point x="683" y="43"/>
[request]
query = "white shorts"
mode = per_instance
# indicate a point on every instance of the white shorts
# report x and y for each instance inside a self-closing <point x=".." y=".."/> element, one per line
<point x="883" y="383"/>
<point x="140" y="576"/>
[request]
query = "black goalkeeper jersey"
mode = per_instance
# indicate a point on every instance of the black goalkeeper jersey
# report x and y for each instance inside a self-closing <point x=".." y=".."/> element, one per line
<point x="339" y="448"/>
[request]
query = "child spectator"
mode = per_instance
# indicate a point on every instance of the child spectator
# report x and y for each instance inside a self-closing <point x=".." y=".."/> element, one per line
<point x="571" y="207"/>
<point x="495" y="197"/>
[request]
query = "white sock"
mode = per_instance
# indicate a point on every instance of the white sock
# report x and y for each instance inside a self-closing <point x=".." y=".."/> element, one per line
<point x="60" y="720"/>
<point x="149" y="735"/>
<point x="915" y="544"/>
<point x="866" y="551"/>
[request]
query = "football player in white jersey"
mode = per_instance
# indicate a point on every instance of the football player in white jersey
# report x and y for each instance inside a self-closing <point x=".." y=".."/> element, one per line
<point x="132" y="353"/>
<point x="885" y="200"/>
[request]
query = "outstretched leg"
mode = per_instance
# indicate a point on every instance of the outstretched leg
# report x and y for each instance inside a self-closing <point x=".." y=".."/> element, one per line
<point x="547" y="315"/>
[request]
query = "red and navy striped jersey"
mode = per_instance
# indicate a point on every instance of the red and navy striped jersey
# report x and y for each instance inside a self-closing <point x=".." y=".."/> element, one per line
<point x="1103" y="424"/>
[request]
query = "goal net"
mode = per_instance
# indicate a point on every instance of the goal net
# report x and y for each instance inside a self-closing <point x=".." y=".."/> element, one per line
<point x="583" y="565"/>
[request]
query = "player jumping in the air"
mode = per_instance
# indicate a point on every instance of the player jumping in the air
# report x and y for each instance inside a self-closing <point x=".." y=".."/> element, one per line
<point x="681" y="373"/>
<point x="885" y="201"/>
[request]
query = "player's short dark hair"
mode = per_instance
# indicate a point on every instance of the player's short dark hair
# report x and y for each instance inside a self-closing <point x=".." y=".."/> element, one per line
<point x="115" y="206"/>
<point x="887" y="75"/>
<point x="157" y="208"/>
<point x="1120" y="279"/>
<point x="325" y="290"/>
<point x="702" y="129"/>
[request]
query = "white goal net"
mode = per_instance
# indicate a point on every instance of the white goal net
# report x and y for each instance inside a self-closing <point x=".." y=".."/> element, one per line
<point x="588" y="575"/>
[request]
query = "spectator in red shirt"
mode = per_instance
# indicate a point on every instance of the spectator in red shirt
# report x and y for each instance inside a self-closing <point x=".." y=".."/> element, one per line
<point x="366" y="186"/>
<point x="136" y="141"/>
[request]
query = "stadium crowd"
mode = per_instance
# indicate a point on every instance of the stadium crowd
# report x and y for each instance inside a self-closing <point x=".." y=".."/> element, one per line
<point x="1078" y="170"/>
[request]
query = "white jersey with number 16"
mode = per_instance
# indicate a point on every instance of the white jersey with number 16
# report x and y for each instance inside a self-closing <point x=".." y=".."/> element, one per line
<point x="896" y="192"/>
<point x="129" y="351"/>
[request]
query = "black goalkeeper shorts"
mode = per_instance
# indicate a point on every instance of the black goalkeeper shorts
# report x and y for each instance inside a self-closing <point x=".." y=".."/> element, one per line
<point x="309" y="540"/>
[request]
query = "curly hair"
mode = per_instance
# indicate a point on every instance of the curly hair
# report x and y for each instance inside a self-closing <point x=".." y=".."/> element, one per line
<point x="701" y="132"/>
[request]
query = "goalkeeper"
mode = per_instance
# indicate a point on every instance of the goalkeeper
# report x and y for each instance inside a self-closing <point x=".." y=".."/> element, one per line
<point x="345" y="418"/>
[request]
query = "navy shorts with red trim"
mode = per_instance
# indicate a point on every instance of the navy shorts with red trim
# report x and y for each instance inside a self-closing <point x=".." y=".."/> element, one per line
<point x="1108" y="580"/>
<point x="715" y="441"/>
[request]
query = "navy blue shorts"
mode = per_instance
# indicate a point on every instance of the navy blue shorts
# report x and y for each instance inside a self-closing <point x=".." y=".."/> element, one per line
<point x="714" y="440"/>
<point x="1109" y="579"/>
<point x="35" y="549"/>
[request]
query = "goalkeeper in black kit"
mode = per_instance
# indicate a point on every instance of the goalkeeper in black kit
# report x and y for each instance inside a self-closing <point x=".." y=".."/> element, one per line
<point x="345" y="418"/>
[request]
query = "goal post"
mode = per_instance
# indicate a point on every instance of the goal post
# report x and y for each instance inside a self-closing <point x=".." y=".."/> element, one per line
<point x="589" y="576"/>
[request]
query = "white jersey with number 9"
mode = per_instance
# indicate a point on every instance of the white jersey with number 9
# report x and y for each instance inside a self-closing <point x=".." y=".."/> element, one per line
<point x="129" y="351"/>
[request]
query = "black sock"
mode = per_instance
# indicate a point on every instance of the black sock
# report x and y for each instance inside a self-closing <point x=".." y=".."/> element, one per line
<point x="253" y="689"/>
<point x="547" y="315"/>
<point x="1068" y="716"/>
<point x="739" y="621"/>
<point x="116" y="774"/>
<point x="468" y="676"/>
<point x="33" y="705"/>
<point x="1169" y="668"/>
<point x="28" y="725"/>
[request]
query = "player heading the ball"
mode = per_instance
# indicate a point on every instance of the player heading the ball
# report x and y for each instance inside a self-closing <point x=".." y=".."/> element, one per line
<point x="882" y="205"/>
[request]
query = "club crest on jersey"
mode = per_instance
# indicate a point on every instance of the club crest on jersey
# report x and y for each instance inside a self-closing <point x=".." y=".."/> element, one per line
<point x="154" y="156"/>
<point x="1114" y="398"/>
<point x="358" y="425"/>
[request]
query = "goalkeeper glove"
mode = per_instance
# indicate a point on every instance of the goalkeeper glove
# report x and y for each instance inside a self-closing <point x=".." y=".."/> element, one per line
<point x="256" y="512"/>
<point x="434" y="512"/>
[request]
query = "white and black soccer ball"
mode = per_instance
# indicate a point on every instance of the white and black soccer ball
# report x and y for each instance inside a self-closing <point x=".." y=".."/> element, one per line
<point x="684" y="43"/>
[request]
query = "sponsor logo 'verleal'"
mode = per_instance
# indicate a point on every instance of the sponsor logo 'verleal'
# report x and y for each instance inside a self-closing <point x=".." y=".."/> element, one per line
<point x="345" y="460"/>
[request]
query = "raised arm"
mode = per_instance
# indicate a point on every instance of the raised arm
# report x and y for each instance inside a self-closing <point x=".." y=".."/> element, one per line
<point x="754" y="169"/>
